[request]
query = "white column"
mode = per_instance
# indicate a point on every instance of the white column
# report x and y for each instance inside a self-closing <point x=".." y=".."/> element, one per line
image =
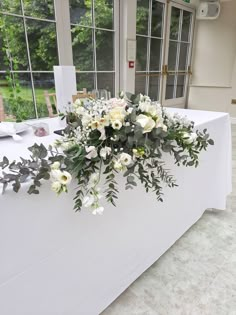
<point x="65" y="85"/>
<point x="127" y="31"/>
<point x="62" y="13"/>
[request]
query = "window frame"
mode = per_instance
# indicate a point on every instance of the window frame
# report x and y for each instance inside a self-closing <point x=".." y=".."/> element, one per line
<point x="31" y="72"/>
<point x="116" y="45"/>
<point x="178" y="101"/>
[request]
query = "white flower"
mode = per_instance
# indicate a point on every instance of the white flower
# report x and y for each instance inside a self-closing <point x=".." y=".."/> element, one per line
<point x="117" y="102"/>
<point x="118" y="166"/>
<point x="103" y="134"/>
<point x="117" y="113"/>
<point x="88" y="201"/>
<point x="95" y="124"/>
<point x="77" y="102"/>
<point x="189" y="137"/>
<point x="55" y="166"/>
<point x="116" y="124"/>
<point x="147" y="123"/>
<point x="92" y="152"/>
<point x="129" y="110"/>
<point x="93" y="181"/>
<point x="56" y="174"/>
<point x="56" y="187"/>
<point x="65" y="178"/>
<point x="98" y="210"/>
<point x="86" y="119"/>
<point x="104" y="121"/>
<point x="105" y="152"/>
<point x="125" y="159"/>
<point x="164" y="127"/>
<point x="144" y="106"/>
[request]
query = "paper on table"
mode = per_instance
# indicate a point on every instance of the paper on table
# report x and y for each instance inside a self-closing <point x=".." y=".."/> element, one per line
<point x="11" y="129"/>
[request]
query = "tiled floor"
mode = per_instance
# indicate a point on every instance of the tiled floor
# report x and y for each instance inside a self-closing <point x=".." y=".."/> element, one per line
<point x="196" y="276"/>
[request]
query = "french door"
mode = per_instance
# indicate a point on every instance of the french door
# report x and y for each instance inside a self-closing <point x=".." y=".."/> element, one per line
<point x="164" y="43"/>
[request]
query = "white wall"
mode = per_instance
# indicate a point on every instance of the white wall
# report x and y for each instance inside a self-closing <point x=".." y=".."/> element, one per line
<point x="213" y="61"/>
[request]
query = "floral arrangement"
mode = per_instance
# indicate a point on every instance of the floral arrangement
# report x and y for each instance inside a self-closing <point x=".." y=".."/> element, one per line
<point x="125" y="135"/>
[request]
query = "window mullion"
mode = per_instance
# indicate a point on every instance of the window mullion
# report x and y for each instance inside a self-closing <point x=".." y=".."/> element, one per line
<point x="29" y="59"/>
<point x="149" y="45"/>
<point x="94" y="45"/>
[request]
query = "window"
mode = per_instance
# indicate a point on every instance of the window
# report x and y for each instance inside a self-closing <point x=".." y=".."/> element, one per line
<point x="164" y="39"/>
<point x="149" y="29"/>
<point x="28" y="52"/>
<point x="94" y="33"/>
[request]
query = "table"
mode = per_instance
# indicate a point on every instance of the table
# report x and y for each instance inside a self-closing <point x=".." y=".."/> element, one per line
<point x="56" y="261"/>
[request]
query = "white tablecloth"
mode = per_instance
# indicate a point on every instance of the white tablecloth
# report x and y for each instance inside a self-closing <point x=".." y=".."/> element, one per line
<point x="56" y="261"/>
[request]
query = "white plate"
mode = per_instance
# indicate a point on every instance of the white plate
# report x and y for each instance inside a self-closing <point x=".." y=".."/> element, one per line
<point x="18" y="127"/>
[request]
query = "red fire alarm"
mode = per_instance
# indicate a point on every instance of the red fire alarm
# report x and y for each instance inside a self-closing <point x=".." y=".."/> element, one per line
<point x="131" y="64"/>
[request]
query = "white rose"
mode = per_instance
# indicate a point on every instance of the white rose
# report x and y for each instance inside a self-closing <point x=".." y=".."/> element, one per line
<point x="98" y="210"/>
<point x="116" y="124"/>
<point x="56" y="187"/>
<point x="86" y="120"/>
<point x="189" y="137"/>
<point x="105" y="152"/>
<point x="65" y="178"/>
<point x="147" y="123"/>
<point x="92" y="152"/>
<point x="125" y="159"/>
<point x="144" y="106"/>
<point x="88" y="201"/>
<point x="55" y="166"/>
<point x="117" y="113"/>
<point x="117" y="102"/>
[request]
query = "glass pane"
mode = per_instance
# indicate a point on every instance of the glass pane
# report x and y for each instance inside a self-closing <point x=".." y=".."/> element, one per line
<point x="170" y="87"/>
<point x="3" y="57"/>
<point x="42" y="44"/>
<point x="82" y="45"/>
<point x="155" y="54"/>
<point x="154" y="85"/>
<point x="141" y="54"/>
<point x="183" y="56"/>
<point x="106" y="81"/>
<point x="81" y="12"/>
<point x="175" y="21"/>
<point x="104" y="50"/>
<point x="140" y="83"/>
<point x="12" y="36"/>
<point x="16" y="90"/>
<point x="13" y="6"/>
<point x="85" y="80"/>
<point x="172" y="55"/>
<point x="44" y="85"/>
<point x="39" y="9"/>
<point x="180" y="86"/>
<point x="186" y="26"/>
<point x="104" y="14"/>
<point x="157" y="16"/>
<point x="142" y="17"/>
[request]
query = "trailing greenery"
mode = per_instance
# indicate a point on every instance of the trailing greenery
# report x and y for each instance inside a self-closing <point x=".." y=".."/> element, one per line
<point x="128" y="135"/>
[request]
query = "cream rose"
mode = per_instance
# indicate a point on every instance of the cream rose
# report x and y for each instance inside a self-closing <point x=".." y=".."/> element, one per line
<point x="56" y="187"/>
<point x="117" y="113"/>
<point x="125" y="159"/>
<point x="147" y="123"/>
